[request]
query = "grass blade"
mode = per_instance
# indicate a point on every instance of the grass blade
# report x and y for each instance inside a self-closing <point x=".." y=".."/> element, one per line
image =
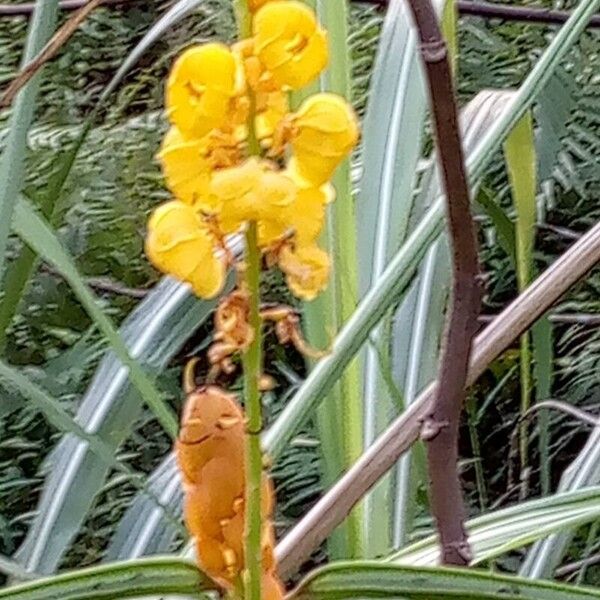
<point x="121" y="580"/>
<point x="393" y="131"/>
<point x="501" y="531"/>
<point x="12" y="162"/>
<point x="38" y="236"/>
<point x="584" y="471"/>
<point x="144" y="530"/>
<point x="344" y="415"/>
<point x="363" y="580"/>
<point x="520" y="156"/>
<point x="154" y="333"/>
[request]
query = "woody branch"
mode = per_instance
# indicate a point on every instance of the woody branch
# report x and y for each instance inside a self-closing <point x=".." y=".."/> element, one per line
<point x="441" y="425"/>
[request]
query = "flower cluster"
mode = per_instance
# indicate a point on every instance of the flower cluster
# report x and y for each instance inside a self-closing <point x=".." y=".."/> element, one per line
<point x="211" y="456"/>
<point x="235" y="154"/>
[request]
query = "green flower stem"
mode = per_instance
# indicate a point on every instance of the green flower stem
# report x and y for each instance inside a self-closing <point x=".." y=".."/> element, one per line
<point x="252" y="360"/>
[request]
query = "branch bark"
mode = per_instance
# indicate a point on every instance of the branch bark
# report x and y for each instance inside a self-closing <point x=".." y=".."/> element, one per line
<point x="495" y="10"/>
<point x="440" y="428"/>
<point x="516" y="318"/>
<point x="23" y="9"/>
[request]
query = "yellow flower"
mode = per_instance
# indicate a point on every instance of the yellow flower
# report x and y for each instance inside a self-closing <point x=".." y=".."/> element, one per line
<point x="289" y="42"/>
<point x="201" y="86"/>
<point x="305" y="216"/>
<point x="306" y="269"/>
<point x="179" y="244"/>
<point x="188" y="164"/>
<point x="251" y="192"/>
<point x="324" y="131"/>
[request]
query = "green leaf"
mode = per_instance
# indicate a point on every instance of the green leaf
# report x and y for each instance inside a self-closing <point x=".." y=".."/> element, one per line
<point x="37" y="235"/>
<point x="543" y="356"/>
<point x="351" y="580"/>
<point x="340" y="419"/>
<point x="119" y="580"/>
<point x="501" y="531"/>
<point x="12" y="162"/>
<point x="520" y="156"/>
<point x="154" y="332"/>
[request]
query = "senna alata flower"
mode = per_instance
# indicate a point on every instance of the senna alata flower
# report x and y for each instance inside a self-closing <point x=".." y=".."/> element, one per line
<point x="323" y="132"/>
<point x="179" y="244"/>
<point x="306" y="269"/>
<point x="250" y="192"/>
<point x="201" y="88"/>
<point x="289" y="43"/>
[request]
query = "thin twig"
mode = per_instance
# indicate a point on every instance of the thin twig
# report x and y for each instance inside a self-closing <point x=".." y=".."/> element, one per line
<point x="559" y="230"/>
<point x="49" y="51"/>
<point x="519" y="316"/>
<point x="491" y="10"/>
<point x="24" y="9"/>
<point x="104" y="284"/>
<point x="575" y="566"/>
<point x="441" y="425"/>
<point x="513" y="452"/>
<point x="494" y="10"/>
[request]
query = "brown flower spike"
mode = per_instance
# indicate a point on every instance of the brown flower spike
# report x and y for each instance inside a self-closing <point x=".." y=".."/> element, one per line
<point x="211" y="455"/>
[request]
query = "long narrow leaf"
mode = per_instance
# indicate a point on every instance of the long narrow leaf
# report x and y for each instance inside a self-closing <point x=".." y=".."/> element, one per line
<point x="519" y="152"/>
<point x="12" y="162"/>
<point x="144" y="529"/>
<point x="154" y="333"/>
<point x="501" y="531"/>
<point x="121" y="580"/>
<point x="328" y="313"/>
<point x="350" y="580"/>
<point x="584" y="471"/>
<point x="36" y="234"/>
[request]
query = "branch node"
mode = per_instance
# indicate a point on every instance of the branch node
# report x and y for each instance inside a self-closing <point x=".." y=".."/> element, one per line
<point x="434" y="51"/>
<point x="431" y="428"/>
<point x="461" y="549"/>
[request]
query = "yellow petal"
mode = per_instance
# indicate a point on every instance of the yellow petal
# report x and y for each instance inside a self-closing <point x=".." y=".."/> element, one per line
<point x="184" y="165"/>
<point x="325" y="131"/>
<point x="178" y="244"/>
<point x="250" y="192"/>
<point x="307" y="270"/>
<point x="290" y="43"/>
<point x="201" y="86"/>
<point x="208" y="278"/>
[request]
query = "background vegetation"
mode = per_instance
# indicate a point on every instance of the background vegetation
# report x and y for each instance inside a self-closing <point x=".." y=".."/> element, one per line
<point x="115" y="181"/>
